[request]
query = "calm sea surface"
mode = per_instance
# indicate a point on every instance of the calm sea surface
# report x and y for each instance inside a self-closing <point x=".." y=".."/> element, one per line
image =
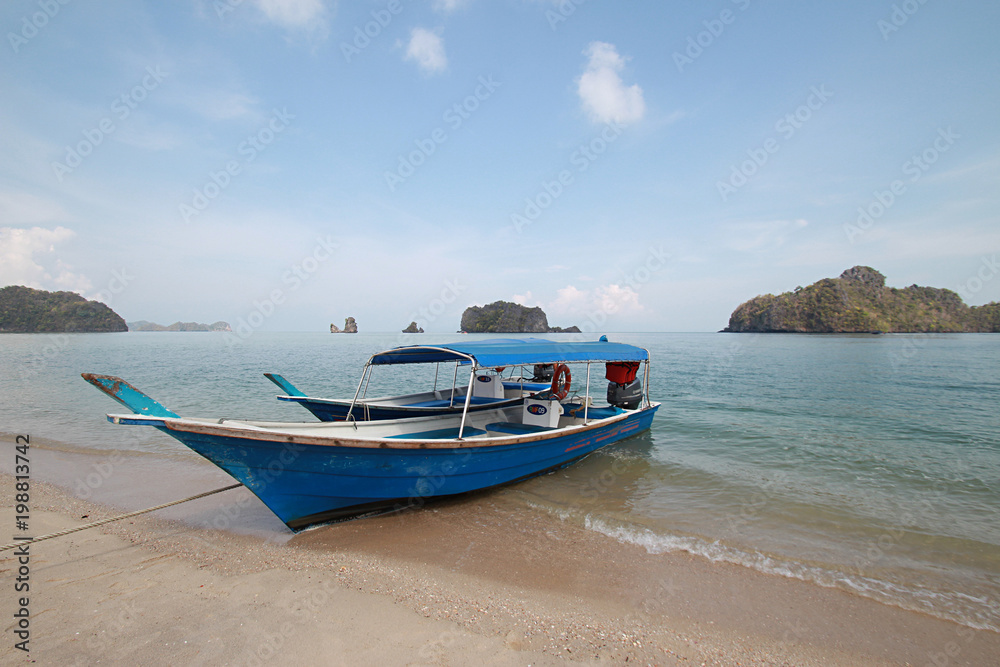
<point x="868" y="463"/>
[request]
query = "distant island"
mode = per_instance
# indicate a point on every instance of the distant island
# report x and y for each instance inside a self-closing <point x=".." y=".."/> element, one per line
<point x="507" y="317"/>
<point x="27" y="310"/>
<point x="859" y="302"/>
<point x="350" y="326"/>
<point x="143" y="325"/>
<point x="413" y="328"/>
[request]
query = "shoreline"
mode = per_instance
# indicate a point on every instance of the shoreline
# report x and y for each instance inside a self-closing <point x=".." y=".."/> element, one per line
<point x="478" y="574"/>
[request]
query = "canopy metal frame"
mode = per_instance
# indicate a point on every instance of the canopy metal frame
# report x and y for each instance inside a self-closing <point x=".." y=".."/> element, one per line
<point x="463" y="358"/>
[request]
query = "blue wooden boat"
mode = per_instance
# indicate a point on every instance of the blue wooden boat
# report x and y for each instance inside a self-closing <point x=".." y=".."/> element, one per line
<point x="313" y="472"/>
<point x="450" y="400"/>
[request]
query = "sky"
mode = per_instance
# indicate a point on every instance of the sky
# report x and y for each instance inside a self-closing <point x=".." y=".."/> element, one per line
<point x="627" y="166"/>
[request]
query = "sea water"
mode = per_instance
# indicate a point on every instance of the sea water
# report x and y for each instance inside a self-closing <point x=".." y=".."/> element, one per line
<point x="867" y="463"/>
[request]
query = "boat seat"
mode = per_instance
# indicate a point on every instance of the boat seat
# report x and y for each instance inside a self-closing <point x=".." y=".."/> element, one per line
<point x="459" y="402"/>
<point x="513" y="428"/>
<point x="592" y="412"/>
<point x="528" y="386"/>
<point x="439" y="434"/>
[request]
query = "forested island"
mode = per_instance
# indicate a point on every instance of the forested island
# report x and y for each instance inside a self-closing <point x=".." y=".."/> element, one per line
<point x="859" y="302"/>
<point x="143" y="325"/>
<point x="27" y="310"/>
<point x="507" y="317"/>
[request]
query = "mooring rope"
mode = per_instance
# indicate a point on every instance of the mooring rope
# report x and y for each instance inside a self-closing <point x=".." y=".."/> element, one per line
<point x="22" y="543"/>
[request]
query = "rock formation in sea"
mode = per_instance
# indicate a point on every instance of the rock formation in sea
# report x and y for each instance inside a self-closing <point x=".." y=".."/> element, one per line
<point x="507" y="317"/>
<point x="27" y="310"/>
<point x="413" y="328"/>
<point x="350" y="326"/>
<point x="859" y="302"/>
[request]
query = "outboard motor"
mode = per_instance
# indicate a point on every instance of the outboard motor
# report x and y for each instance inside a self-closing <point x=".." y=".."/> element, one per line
<point x="627" y="396"/>
<point x="543" y="373"/>
<point x="624" y="388"/>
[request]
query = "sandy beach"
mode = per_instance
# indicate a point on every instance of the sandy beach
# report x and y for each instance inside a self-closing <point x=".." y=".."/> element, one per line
<point x="471" y="581"/>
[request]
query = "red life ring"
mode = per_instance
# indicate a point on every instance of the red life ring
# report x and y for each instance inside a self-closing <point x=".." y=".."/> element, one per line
<point x="558" y="392"/>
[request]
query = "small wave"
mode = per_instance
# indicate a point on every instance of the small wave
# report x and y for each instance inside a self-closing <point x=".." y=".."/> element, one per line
<point x="562" y="514"/>
<point x="978" y="612"/>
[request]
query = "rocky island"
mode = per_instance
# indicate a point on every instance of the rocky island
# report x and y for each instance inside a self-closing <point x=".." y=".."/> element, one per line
<point x="27" y="310"/>
<point x="413" y="328"/>
<point x="350" y="326"/>
<point x="859" y="302"/>
<point x="507" y="317"/>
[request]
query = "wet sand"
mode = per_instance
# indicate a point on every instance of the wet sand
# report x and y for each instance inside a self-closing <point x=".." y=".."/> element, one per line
<point x="476" y="580"/>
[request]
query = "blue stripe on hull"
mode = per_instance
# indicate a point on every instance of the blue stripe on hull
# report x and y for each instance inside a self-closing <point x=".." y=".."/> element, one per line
<point x="305" y="484"/>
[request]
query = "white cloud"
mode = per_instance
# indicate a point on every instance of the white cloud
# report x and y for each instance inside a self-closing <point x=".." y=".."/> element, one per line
<point x="605" y="97"/>
<point x="447" y="6"/>
<point x="595" y="304"/>
<point x="294" y="13"/>
<point x="569" y="301"/>
<point x="26" y="258"/>
<point x="427" y="48"/>
<point x="527" y="299"/>
<point x="617" y="299"/>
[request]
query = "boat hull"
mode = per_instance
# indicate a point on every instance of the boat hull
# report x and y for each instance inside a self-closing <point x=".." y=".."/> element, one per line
<point x="304" y="483"/>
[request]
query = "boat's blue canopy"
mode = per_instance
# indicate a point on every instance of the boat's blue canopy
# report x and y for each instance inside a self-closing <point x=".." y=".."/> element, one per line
<point x="511" y="352"/>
